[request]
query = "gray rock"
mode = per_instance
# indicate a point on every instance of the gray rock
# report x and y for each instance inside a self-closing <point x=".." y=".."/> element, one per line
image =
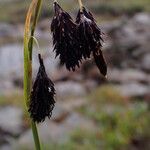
<point x="90" y="84"/>
<point x="70" y="88"/>
<point x="145" y="64"/>
<point x="5" y="85"/>
<point x="59" y="113"/>
<point x="129" y="41"/>
<point x="10" y="31"/>
<point x="128" y="75"/>
<point x="12" y="65"/>
<point x="133" y="89"/>
<point x="142" y="18"/>
<point x="64" y="108"/>
<point x="53" y="132"/>
<point x="49" y="132"/>
<point x="6" y="147"/>
<point x="72" y="104"/>
<point x="11" y="120"/>
<point x="75" y="121"/>
<point x="11" y="62"/>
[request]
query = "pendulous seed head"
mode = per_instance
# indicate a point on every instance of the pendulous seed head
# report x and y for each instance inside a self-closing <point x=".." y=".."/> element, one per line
<point x="90" y="39"/>
<point x="42" y="99"/>
<point x="90" y="36"/>
<point x="74" y="42"/>
<point x="64" y="38"/>
<point x="100" y="62"/>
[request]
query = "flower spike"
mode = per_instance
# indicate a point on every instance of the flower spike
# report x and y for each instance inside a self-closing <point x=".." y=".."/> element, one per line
<point x="90" y="39"/>
<point x="64" y="38"/>
<point x="100" y="62"/>
<point x="89" y="33"/>
<point x="42" y="96"/>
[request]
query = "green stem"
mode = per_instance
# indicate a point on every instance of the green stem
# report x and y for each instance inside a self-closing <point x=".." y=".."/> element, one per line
<point x="37" y="12"/>
<point x="35" y="136"/>
<point x="28" y="47"/>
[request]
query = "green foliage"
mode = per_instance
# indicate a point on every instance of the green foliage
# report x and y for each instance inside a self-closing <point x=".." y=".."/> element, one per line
<point x="15" y="99"/>
<point x="119" y="7"/>
<point x="17" y="8"/>
<point x="118" y="127"/>
<point x="119" y="122"/>
<point x="105" y="94"/>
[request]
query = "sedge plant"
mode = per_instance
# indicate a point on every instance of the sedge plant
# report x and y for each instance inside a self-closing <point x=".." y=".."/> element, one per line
<point x="33" y="11"/>
<point x="70" y="44"/>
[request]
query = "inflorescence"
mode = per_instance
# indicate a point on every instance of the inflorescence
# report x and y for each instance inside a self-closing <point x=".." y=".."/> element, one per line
<point x="64" y="38"/>
<point x="42" y="96"/>
<point x="73" y="42"/>
<point x="76" y="41"/>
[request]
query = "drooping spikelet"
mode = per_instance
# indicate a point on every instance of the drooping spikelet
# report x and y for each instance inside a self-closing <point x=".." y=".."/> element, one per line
<point x="100" y="62"/>
<point x="42" y="96"/>
<point x="64" y="38"/>
<point x="90" y="39"/>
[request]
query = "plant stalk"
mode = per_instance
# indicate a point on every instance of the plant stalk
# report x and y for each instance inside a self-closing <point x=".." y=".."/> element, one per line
<point x="28" y="47"/>
<point x="80" y="4"/>
<point x="37" y="13"/>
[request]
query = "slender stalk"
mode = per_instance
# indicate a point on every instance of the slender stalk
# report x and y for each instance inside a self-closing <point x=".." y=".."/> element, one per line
<point x="28" y="47"/>
<point x="37" y="12"/>
<point x="33" y="125"/>
<point x="35" y="136"/>
<point x="80" y="4"/>
<point x="27" y="63"/>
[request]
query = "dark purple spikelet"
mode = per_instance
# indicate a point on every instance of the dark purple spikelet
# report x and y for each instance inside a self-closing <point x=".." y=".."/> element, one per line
<point x="90" y="39"/>
<point x="42" y="96"/>
<point x="100" y="62"/>
<point x="64" y="38"/>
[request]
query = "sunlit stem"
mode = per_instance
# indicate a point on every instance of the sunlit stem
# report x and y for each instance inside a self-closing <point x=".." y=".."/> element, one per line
<point x="80" y="4"/>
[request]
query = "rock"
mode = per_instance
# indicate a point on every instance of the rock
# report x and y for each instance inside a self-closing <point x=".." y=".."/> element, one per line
<point x="5" y="85"/>
<point x="6" y="147"/>
<point x="61" y="75"/>
<point x="142" y="18"/>
<point x="90" y="84"/>
<point x="145" y="63"/>
<point x="69" y="88"/>
<point x="133" y="89"/>
<point x="73" y="104"/>
<point x="140" y="52"/>
<point x="11" y="120"/>
<point x="127" y="76"/>
<point x="49" y="132"/>
<point x="4" y="137"/>
<point x="64" y="108"/>
<point x="11" y="62"/>
<point x="91" y="72"/>
<point x="129" y="41"/>
<point x="75" y="121"/>
<point x="53" y="132"/>
<point x="14" y="67"/>
<point x="10" y="33"/>
<point x="59" y="113"/>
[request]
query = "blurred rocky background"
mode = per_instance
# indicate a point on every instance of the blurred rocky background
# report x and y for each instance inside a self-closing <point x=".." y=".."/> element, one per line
<point x="91" y="113"/>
